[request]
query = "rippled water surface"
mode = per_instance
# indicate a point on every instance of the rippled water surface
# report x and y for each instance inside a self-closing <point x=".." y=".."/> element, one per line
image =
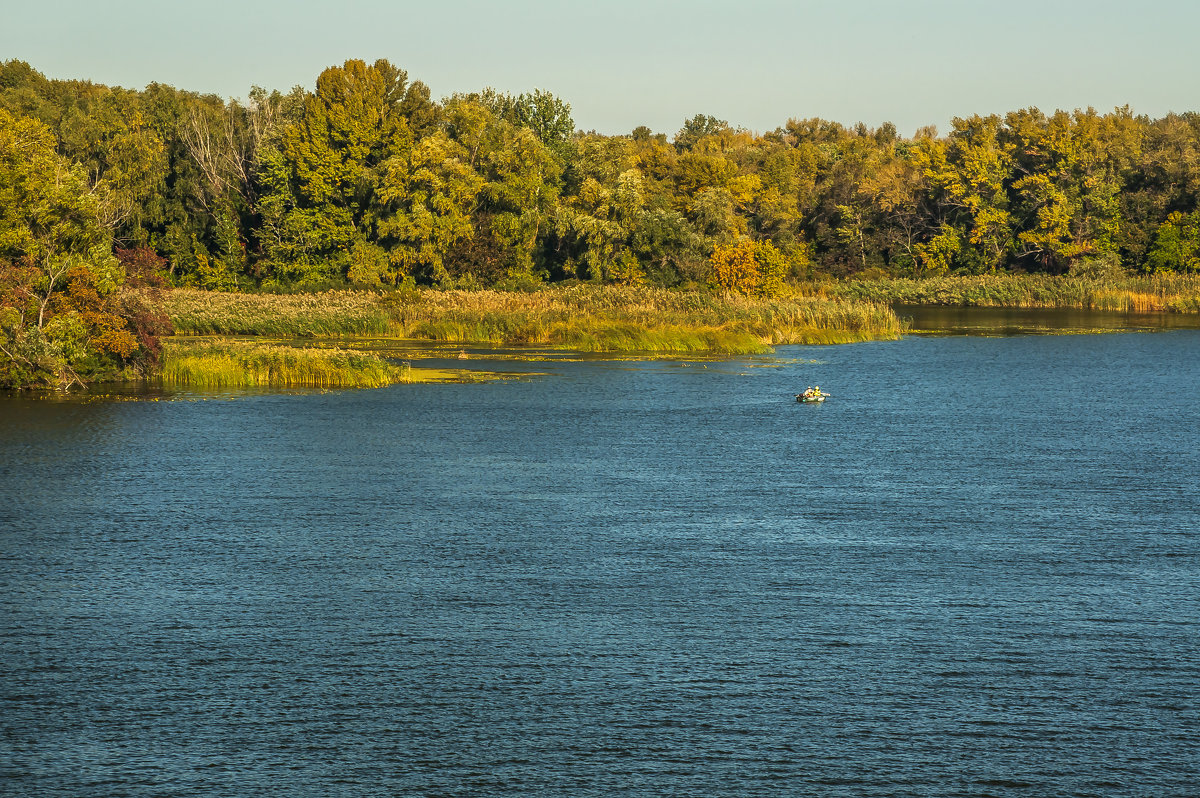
<point x="974" y="571"/>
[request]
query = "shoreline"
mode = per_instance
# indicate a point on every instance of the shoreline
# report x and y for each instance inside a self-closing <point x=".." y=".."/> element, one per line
<point x="1165" y="293"/>
<point x="321" y="340"/>
<point x="581" y="318"/>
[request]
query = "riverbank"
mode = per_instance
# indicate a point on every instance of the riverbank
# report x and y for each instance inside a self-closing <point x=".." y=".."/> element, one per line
<point x="580" y="317"/>
<point x="591" y="318"/>
<point x="1167" y="293"/>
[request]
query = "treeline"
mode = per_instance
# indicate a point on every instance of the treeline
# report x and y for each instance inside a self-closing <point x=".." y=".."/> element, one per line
<point x="368" y="180"/>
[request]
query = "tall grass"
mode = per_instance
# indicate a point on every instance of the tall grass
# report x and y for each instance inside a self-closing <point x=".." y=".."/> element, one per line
<point x="320" y="315"/>
<point x="581" y="317"/>
<point x="615" y="318"/>
<point x="231" y="364"/>
<point x="1175" y="293"/>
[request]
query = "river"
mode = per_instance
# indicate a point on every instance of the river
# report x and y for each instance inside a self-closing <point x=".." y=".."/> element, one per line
<point x="974" y="571"/>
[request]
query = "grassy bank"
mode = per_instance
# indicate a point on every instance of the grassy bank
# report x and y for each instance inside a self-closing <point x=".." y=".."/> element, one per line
<point x="235" y="364"/>
<point x="1174" y="293"/>
<point x="580" y="317"/>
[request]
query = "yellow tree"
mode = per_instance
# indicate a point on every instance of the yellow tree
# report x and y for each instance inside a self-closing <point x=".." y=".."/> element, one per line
<point x="735" y="267"/>
<point x="967" y="174"/>
<point x="1069" y="175"/>
<point x="772" y="268"/>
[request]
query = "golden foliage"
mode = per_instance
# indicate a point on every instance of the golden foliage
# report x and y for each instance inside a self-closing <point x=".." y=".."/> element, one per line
<point x="735" y="267"/>
<point x="749" y="267"/>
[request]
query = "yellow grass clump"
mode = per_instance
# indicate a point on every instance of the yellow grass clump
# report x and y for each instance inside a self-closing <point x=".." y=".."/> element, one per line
<point x="232" y="364"/>
<point x="629" y="319"/>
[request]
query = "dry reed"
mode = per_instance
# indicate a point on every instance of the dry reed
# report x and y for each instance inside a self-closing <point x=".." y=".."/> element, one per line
<point x="583" y="317"/>
<point x="1171" y="293"/>
<point x="235" y="364"/>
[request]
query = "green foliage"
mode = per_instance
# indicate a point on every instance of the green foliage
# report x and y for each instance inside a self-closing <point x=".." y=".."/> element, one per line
<point x="366" y="180"/>
<point x="542" y="113"/>
<point x="1095" y="284"/>
<point x="428" y="195"/>
<point x="64" y="320"/>
<point x="697" y="128"/>
<point x="332" y="162"/>
<point x="1176" y="245"/>
<point x="516" y="196"/>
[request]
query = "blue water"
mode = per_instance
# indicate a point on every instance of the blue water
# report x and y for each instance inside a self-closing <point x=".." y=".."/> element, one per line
<point x="975" y="571"/>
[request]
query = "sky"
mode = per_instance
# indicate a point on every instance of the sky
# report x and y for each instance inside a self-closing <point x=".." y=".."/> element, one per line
<point x="625" y="63"/>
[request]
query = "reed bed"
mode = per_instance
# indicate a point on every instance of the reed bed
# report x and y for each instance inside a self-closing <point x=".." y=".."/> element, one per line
<point x="581" y="317"/>
<point x="630" y="319"/>
<point x="236" y="364"/>
<point x="320" y="315"/>
<point x="1170" y="293"/>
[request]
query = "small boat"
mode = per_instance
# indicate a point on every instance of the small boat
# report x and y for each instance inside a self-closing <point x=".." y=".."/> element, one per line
<point x="810" y="398"/>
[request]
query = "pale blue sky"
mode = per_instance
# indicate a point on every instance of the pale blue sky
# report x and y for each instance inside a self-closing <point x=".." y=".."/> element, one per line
<point x="622" y="63"/>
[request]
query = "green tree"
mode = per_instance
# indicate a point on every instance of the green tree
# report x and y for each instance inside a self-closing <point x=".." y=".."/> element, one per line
<point x="521" y="179"/>
<point x="335" y="158"/>
<point x="539" y="111"/>
<point x="697" y="129"/>
<point x="59" y="321"/>
<point x="968" y="173"/>
<point x="1176" y="245"/>
<point x="428" y="194"/>
<point x="1162" y="178"/>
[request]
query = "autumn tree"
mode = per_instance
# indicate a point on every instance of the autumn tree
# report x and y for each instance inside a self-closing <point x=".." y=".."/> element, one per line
<point x="60" y="316"/>
<point x="749" y="267"/>
<point x="968" y="175"/>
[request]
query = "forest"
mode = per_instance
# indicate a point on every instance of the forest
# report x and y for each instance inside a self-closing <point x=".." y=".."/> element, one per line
<point x="367" y="181"/>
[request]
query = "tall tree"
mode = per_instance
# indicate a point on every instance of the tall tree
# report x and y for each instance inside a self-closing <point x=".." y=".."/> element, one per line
<point x="336" y="158"/>
<point x="58" y="320"/>
<point x="969" y="174"/>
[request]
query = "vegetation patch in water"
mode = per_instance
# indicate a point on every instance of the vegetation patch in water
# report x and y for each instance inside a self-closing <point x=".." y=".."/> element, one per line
<point x="234" y="364"/>
<point x="581" y="317"/>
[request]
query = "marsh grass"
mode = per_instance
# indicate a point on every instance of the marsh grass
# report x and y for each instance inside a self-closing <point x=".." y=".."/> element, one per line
<point x="234" y="364"/>
<point x="318" y="315"/>
<point x="1172" y="293"/>
<point x="581" y="317"/>
<point x="640" y="319"/>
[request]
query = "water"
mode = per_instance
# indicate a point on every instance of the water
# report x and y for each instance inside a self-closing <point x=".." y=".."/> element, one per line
<point x="975" y="571"/>
<point x="955" y="320"/>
